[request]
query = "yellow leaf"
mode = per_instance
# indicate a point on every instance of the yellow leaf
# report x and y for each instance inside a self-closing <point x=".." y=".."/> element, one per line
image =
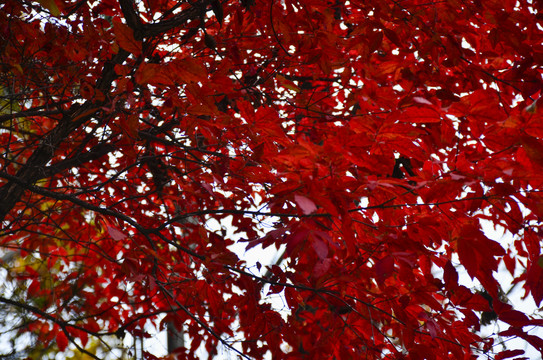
<point x="532" y="108"/>
<point x="287" y="83"/>
<point x="7" y="106"/>
<point x="18" y="68"/>
<point x="51" y="6"/>
<point x="513" y="122"/>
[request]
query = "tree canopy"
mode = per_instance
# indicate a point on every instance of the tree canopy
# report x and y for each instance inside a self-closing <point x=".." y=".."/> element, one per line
<point x="365" y="141"/>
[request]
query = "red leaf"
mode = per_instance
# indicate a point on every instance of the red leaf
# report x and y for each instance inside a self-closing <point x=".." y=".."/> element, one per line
<point x="320" y="247"/>
<point x="115" y="233"/>
<point x="125" y="37"/>
<point x="416" y="114"/>
<point x="506" y="354"/>
<point x="384" y="268"/>
<point x="446" y="94"/>
<point x="84" y="337"/>
<point x="62" y="341"/>
<point x="535" y="341"/>
<point x="321" y="267"/>
<point x="305" y="204"/>
<point x="33" y="289"/>
<point x="154" y="74"/>
<point x="433" y="328"/>
<point x="279" y="122"/>
<point x="478" y="254"/>
<point x="450" y="276"/>
<point x="187" y="70"/>
<point x="514" y="318"/>
<point x="92" y="325"/>
<point x="375" y="39"/>
<point x="295" y="239"/>
<point x="534" y="280"/>
<point x="392" y="36"/>
<point x="533" y="148"/>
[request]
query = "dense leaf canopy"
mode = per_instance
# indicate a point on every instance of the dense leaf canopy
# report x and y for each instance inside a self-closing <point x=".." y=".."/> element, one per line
<point x="366" y="141"/>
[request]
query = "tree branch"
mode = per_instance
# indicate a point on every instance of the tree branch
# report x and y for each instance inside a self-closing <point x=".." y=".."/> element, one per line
<point x="132" y="19"/>
<point x="77" y="115"/>
<point x="93" y="154"/>
<point x="182" y="18"/>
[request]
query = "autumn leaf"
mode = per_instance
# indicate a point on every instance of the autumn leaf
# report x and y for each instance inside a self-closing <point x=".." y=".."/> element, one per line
<point x="115" y="233"/>
<point x="450" y="275"/>
<point x="305" y="204"/>
<point x="321" y="267"/>
<point x="533" y="148"/>
<point x="384" y="268"/>
<point x="534" y="280"/>
<point x="187" y="70"/>
<point x="415" y="114"/>
<point x="50" y="5"/>
<point x="62" y="341"/>
<point x="506" y="354"/>
<point x="320" y="247"/>
<point x="153" y="74"/>
<point x="125" y="37"/>
<point x="190" y="163"/>
<point x="478" y="254"/>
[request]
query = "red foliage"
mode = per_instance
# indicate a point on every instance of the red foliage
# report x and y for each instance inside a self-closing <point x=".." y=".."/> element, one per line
<point x="375" y="135"/>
